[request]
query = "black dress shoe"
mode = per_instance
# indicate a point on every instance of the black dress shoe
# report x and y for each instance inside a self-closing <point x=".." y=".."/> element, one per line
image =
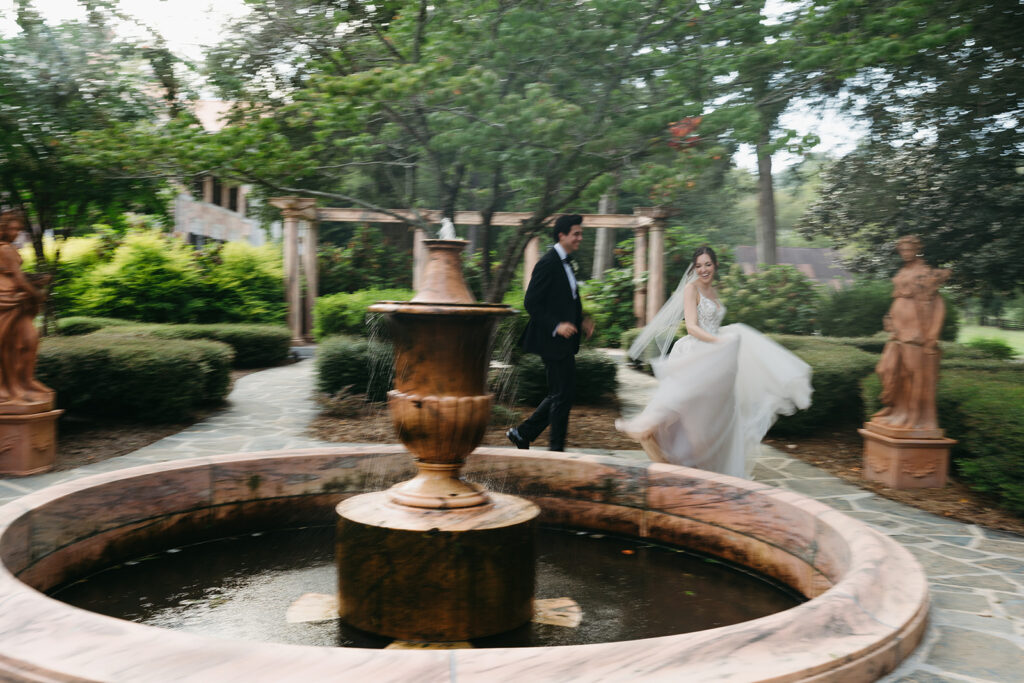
<point x="515" y="437"/>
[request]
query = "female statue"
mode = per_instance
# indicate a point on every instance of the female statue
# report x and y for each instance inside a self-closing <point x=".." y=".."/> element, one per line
<point x="909" y="367"/>
<point x="19" y="304"/>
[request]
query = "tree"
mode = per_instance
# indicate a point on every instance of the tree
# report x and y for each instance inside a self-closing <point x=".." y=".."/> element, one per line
<point x="485" y="104"/>
<point x="944" y="157"/>
<point x="59" y="82"/>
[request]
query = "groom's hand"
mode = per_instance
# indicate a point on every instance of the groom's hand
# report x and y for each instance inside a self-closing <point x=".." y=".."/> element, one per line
<point x="588" y="327"/>
<point x="566" y="330"/>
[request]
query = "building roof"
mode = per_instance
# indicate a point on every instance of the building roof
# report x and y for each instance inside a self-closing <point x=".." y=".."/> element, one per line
<point x="819" y="264"/>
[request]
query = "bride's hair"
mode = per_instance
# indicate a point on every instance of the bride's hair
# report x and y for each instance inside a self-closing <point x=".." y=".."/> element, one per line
<point x="705" y="250"/>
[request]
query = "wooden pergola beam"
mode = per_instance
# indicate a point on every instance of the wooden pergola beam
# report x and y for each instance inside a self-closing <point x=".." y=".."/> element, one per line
<point x="502" y="218"/>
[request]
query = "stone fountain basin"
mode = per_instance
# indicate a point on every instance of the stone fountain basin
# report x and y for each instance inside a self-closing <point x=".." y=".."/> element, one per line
<point x="867" y="611"/>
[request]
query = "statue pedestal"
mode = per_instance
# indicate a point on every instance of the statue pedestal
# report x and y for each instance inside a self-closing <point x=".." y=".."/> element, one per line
<point x="28" y="437"/>
<point x="905" y="459"/>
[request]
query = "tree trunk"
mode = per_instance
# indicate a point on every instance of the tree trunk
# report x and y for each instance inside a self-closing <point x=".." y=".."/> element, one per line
<point x="766" y="251"/>
<point x="604" y="240"/>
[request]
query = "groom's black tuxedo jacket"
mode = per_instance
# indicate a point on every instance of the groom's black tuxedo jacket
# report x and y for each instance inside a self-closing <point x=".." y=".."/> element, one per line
<point x="549" y="301"/>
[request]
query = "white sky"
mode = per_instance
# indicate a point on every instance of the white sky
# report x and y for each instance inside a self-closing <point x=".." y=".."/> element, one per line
<point x="187" y="25"/>
<point x="190" y="25"/>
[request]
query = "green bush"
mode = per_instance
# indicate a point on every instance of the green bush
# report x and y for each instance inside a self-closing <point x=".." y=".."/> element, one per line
<point x="510" y="328"/>
<point x="855" y="311"/>
<point x="80" y="324"/>
<point x="364" y="365"/>
<point x="527" y="382"/>
<point x="367" y="261"/>
<point x="345" y="312"/>
<point x="837" y="372"/>
<point x="150" y="278"/>
<point x="981" y="410"/>
<point x="992" y="347"/>
<point x="134" y="377"/>
<point x="777" y="299"/>
<point x="255" y="346"/>
<point x="241" y="284"/>
<point x="795" y="342"/>
<point x="610" y="302"/>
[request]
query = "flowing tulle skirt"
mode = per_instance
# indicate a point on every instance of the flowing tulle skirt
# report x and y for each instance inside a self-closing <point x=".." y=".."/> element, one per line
<point x="716" y="401"/>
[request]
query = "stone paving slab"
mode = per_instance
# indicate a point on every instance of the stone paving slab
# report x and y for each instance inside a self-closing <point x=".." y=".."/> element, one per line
<point x="976" y="630"/>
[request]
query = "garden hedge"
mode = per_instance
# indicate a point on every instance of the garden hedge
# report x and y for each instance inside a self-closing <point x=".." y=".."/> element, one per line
<point x="980" y="407"/>
<point x="837" y="372"/>
<point x="134" y="377"/>
<point x="526" y="382"/>
<point x="255" y="346"/>
<point x="364" y="365"/>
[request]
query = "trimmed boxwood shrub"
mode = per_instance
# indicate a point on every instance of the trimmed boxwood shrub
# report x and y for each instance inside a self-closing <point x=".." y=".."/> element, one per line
<point x="134" y="377"/>
<point x="83" y="324"/>
<point x="255" y="346"/>
<point x="992" y="347"/>
<point x="855" y="311"/>
<point x="345" y="313"/>
<point x="981" y="409"/>
<point x="527" y="382"/>
<point x="795" y="342"/>
<point x="837" y="372"/>
<point x="365" y="366"/>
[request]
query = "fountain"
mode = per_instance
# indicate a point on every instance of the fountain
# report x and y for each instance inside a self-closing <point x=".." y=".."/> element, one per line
<point x="461" y="556"/>
<point x="867" y="598"/>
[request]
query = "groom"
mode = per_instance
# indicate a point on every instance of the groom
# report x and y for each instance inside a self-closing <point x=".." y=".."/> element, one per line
<point x="556" y="318"/>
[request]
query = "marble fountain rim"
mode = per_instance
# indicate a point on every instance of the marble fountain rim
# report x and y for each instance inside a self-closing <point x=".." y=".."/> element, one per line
<point x="859" y="628"/>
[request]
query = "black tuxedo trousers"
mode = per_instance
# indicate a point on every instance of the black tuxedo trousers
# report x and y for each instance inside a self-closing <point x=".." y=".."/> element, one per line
<point x="549" y="301"/>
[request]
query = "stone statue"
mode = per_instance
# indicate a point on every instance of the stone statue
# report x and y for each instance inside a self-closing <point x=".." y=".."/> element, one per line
<point x="909" y="366"/>
<point x="20" y="298"/>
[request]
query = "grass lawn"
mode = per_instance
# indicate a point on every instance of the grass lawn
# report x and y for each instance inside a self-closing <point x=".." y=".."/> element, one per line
<point x="1014" y="338"/>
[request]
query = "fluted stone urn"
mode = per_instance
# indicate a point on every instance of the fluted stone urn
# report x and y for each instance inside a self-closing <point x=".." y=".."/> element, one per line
<point x="437" y="558"/>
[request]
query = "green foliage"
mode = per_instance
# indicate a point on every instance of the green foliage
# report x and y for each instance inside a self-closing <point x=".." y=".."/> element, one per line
<point x="360" y="365"/>
<point x="992" y="347"/>
<point x="79" y="325"/>
<point x="775" y="299"/>
<point x="345" y="312"/>
<point x="510" y="328"/>
<point x="150" y="278"/>
<point x="794" y="342"/>
<point x="980" y="407"/>
<point x="134" y="377"/>
<point x="855" y="311"/>
<point x="254" y="346"/>
<point x="837" y="370"/>
<point x="366" y="262"/>
<point x="527" y="382"/>
<point x="242" y="284"/>
<point x="610" y="303"/>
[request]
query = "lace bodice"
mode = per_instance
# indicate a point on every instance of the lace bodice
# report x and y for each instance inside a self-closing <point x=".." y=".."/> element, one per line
<point x="709" y="314"/>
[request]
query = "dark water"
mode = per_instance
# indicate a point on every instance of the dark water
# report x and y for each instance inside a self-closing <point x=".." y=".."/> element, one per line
<point x="241" y="587"/>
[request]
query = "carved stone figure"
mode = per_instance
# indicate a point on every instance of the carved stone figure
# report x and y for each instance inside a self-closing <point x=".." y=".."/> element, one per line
<point x="20" y="299"/>
<point x="909" y="367"/>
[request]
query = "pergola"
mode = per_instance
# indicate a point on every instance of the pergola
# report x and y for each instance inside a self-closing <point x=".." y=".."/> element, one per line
<point x="647" y="223"/>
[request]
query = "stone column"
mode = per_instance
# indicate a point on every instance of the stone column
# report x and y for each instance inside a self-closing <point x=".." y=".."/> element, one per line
<point x="604" y="240"/>
<point x="640" y="273"/>
<point x="656" y="265"/>
<point x="242" y="196"/>
<point x="310" y="267"/>
<point x="531" y="254"/>
<point x="292" y="209"/>
<point x="419" y="257"/>
<point x="208" y="189"/>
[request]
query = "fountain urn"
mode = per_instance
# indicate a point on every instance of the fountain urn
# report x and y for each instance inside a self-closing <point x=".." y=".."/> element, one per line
<point x="438" y="558"/>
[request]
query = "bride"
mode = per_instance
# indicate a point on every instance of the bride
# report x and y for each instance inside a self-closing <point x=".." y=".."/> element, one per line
<point x="720" y="389"/>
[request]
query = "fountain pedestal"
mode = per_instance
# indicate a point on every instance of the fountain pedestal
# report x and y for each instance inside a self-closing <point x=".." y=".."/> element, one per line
<point x="437" y="558"/>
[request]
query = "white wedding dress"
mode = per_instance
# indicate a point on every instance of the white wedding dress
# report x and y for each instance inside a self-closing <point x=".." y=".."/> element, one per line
<point x="715" y="401"/>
